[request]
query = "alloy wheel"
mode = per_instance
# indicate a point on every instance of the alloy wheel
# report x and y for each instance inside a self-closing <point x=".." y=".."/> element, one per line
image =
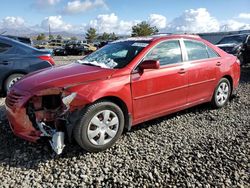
<point x="103" y="127"/>
<point x="222" y="93"/>
<point x="13" y="81"/>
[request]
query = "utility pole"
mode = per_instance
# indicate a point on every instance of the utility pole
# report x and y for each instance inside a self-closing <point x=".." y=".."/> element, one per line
<point x="49" y="30"/>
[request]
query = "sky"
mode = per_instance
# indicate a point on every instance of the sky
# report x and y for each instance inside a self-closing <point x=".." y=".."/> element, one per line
<point x="120" y="15"/>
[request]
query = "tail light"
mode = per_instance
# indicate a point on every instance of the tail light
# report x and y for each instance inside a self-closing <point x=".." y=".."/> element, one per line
<point x="47" y="58"/>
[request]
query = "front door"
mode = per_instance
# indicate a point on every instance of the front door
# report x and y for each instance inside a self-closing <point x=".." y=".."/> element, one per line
<point x="160" y="90"/>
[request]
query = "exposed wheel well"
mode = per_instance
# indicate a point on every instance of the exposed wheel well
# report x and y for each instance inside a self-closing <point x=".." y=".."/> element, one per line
<point x="230" y="80"/>
<point x="123" y="107"/>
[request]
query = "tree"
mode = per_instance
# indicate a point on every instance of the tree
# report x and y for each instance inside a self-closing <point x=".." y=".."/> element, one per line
<point x="51" y="37"/>
<point x="104" y="37"/>
<point x="143" y="29"/>
<point x="59" y="37"/>
<point x="91" y="35"/>
<point x="113" y="36"/>
<point x="107" y="37"/>
<point x="41" y="37"/>
<point x="73" y="38"/>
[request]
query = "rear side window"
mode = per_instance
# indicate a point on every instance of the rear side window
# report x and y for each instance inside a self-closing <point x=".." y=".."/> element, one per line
<point x="211" y="53"/>
<point x="168" y="52"/>
<point x="4" y="47"/>
<point x="196" y="50"/>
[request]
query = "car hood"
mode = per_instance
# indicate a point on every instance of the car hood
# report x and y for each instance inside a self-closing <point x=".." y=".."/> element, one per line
<point x="62" y="76"/>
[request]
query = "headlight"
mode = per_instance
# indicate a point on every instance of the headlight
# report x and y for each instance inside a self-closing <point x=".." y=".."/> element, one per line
<point x="68" y="99"/>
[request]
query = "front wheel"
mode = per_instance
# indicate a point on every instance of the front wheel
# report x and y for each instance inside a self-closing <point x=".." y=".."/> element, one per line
<point x="222" y="93"/>
<point x="100" y="126"/>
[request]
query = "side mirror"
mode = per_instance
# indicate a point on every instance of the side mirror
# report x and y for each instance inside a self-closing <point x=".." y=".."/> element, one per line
<point x="149" y="64"/>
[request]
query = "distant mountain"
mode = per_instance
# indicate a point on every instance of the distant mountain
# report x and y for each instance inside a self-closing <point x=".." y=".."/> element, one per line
<point x="27" y="32"/>
<point x="16" y="32"/>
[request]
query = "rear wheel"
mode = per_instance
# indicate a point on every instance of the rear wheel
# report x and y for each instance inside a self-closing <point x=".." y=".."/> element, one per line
<point x="100" y="127"/>
<point x="222" y="93"/>
<point x="11" y="80"/>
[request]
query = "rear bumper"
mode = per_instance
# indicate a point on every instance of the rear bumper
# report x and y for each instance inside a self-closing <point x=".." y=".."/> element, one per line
<point x="21" y="124"/>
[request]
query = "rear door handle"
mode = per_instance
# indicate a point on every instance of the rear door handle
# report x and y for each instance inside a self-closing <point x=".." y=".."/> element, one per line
<point x="182" y="71"/>
<point x="218" y="64"/>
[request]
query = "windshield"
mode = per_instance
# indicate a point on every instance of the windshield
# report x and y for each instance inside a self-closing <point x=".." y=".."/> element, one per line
<point x="116" y="54"/>
<point x="233" y="39"/>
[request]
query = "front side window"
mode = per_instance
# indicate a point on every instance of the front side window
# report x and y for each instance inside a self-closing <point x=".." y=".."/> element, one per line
<point x="168" y="52"/>
<point x="115" y="55"/>
<point x="4" y="47"/>
<point x="196" y="50"/>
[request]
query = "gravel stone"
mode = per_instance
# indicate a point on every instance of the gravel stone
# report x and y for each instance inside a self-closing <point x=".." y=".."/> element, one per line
<point x="198" y="147"/>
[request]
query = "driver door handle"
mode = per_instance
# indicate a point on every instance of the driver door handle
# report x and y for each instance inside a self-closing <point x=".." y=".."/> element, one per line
<point x="182" y="71"/>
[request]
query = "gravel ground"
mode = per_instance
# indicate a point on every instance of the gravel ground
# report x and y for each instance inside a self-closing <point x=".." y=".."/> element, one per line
<point x="198" y="147"/>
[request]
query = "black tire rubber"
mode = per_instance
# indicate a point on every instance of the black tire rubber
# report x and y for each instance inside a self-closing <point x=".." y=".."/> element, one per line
<point x="8" y="80"/>
<point x="80" y="129"/>
<point x="214" y="101"/>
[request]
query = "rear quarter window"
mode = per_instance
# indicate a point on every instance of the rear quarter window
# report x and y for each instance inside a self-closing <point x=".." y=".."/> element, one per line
<point x="212" y="53"/>
<point x="4" y="47"/>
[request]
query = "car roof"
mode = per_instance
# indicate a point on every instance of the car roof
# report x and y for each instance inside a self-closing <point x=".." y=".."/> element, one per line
<point x="10" y="40"/>
<point x="14" y="42"/>
<point x="160" y="37"/>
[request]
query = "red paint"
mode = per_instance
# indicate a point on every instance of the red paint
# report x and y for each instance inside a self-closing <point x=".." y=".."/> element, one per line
<point x="147" y="94"/>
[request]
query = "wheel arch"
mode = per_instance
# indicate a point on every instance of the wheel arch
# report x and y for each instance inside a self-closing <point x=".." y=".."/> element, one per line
<point x="119" y="102"/>
<point x="230" y="79"/>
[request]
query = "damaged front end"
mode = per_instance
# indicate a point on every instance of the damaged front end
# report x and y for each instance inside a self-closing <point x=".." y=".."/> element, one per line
<point x="48" y="113"/>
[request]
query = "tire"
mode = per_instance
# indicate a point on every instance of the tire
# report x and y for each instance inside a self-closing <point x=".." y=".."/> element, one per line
<point x="222" y="93"/>
<point x="11" y="80"/>
<point x="92" y="133"/>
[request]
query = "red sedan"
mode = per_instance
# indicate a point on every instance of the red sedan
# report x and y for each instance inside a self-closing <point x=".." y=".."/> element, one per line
<point x="122" y="84"/>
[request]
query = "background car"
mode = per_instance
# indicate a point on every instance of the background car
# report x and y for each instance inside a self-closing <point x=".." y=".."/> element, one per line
<point x="238" y="45"/>
<point x="18" y="59"/>
<point x="25" y="40"/>
<point x="120" y="85"/>
<point x="74" y="48"/>
<point x="60" y="51"/>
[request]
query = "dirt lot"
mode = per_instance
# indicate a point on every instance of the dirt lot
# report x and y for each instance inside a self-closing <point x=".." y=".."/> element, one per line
<point x="198" y="147"/>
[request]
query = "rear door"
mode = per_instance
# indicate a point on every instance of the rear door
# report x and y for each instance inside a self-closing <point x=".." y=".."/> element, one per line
<point x="160" y="90"/>
<point x="5" y="57"/>
<point x="5" y="61"/>
<point x="204" y="67"/>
